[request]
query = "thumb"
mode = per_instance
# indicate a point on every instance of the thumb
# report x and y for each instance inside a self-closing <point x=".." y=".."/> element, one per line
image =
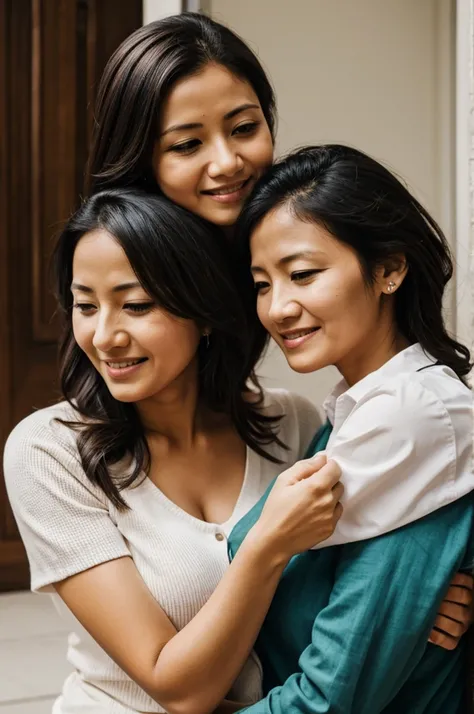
<point x="305" y="469"/>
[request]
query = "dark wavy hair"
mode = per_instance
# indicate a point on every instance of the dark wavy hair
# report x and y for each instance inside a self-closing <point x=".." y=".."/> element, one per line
<point x="136" y="82"/>
<point x="186" y="270"/>
<point x="365" y="206"/>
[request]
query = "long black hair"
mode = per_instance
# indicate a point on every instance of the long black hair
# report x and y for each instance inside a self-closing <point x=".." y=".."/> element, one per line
<point x="186" y="270"/>
<point x="137" y="80"/>
<point x="362" y="204"/>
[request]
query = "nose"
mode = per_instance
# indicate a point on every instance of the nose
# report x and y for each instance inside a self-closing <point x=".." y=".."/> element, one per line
<point x="109" y="335"/>
<point x="283" y="306"/>
<point x="226" y="161"/>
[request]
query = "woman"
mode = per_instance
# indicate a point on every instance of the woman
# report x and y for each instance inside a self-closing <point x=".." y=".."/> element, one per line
<point x="184" y="108"/>
<point x="350" y="270"/>
<point x="119" y="491"/>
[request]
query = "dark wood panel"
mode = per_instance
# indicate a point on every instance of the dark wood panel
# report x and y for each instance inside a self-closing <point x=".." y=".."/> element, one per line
<point x="52" y="53"/>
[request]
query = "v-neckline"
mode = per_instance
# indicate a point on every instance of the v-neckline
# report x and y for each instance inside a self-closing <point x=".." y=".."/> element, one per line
<point x="206" y="525"/>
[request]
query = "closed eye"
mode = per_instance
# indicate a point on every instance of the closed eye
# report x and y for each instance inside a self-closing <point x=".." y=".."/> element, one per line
<point x="186" y="147"/>
<point x="247" y="128"/>
<point x="302" y="275"/>
<point x="138" y="307"/>
<point x="84" y="307"/>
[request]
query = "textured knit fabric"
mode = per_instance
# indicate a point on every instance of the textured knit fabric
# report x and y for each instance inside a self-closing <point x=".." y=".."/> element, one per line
<point x="348" y="627"/>
<point x="68" y="526"/>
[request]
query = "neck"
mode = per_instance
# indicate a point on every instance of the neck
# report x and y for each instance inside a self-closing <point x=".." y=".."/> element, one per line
<point x="372" y="354"/>
<point x="174" y="413"/>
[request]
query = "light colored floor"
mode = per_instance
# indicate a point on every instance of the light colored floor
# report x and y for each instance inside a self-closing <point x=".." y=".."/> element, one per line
<point x="33" y="663"/>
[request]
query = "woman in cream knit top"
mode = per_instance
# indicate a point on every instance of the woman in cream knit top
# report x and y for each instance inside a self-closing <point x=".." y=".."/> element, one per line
<point x="135" y="553"/>
<point x="69" y="526"/>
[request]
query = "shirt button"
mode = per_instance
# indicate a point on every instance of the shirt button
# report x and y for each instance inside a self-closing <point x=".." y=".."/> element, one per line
<point x="220" y="536"/>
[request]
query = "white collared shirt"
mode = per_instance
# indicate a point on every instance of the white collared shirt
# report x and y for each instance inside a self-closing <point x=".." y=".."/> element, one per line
<point x="404" y="441"/>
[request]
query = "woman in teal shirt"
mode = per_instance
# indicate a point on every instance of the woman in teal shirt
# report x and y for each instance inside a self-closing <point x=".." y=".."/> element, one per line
<point x="350" y="270"/>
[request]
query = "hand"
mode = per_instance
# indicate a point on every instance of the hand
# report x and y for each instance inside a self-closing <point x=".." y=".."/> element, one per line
<point x="302" y="509"/>
<point x="455" y="614"/>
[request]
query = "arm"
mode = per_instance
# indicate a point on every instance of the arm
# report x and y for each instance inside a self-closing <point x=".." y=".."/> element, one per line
<point x="373" y="632"/>
<point x="186" y="671"/>
<point x="399" y="429"/>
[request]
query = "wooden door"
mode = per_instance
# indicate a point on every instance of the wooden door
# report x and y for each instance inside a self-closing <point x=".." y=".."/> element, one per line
<point x="52" y="53"/>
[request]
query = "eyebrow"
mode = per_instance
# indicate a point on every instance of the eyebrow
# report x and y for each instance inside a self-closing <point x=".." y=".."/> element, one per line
<point x="197" y="125"/>
<point x="116" y="289"/>
<point x="290" y="258"/>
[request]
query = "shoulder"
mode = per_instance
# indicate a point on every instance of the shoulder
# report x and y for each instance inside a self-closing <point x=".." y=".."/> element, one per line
<point x="42" y="428"/>
<point x="40" y="450"/>
<point x="407" y="404"/>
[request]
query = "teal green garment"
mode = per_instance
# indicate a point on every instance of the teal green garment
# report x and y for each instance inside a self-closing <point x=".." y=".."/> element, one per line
<point x="348" y="627"/>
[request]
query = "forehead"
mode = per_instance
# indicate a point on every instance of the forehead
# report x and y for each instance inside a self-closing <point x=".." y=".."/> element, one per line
<point x="98" y="254"/>
<point x="281" y="234"/>
<point x="212" y="91"/>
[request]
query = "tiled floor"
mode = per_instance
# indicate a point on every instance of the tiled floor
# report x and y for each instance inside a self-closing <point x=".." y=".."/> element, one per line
<point x="33" y="663"/>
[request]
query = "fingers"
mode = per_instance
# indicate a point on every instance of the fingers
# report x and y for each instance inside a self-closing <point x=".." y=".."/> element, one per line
<point x="446" y="632"/>
<point x="463" y="580"/>
<point x="456" y="613"/>
<point x="443" y="640"/>
<point x="459" y="596"/>
<point x="338" y="512"/>
<point x="305" y="468"/>
<point x="326" y="477"/>
<point x="338" y="491"/>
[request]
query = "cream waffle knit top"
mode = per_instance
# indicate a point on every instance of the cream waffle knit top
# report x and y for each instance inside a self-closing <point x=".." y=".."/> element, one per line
<point x="68" y="525"/>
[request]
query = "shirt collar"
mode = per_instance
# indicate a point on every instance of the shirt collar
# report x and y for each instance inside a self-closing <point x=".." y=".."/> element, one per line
<point x="408" y="360"/>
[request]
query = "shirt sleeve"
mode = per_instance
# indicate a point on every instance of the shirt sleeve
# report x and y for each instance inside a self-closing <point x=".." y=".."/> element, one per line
<point x="63" y="519"/>
<point x="397" y="453"/>
<point x="374" y="630"/>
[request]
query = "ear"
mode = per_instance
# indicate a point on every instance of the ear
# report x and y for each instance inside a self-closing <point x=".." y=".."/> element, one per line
<point x="391" y="274"/>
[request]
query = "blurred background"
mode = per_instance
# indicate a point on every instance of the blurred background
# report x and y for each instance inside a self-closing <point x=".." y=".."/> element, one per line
<point x="392" y="77"/>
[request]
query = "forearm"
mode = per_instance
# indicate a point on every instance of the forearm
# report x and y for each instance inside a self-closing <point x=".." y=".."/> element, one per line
<point x="198" y="666"/>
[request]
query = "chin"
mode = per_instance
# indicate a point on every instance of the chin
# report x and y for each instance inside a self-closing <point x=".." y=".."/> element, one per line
<point x="306" y="365"/>
<point x="224" y="221"/>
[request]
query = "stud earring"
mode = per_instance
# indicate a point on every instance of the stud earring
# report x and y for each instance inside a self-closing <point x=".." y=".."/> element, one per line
<point x="391" y="286"/>
<point x="206" y="334"/>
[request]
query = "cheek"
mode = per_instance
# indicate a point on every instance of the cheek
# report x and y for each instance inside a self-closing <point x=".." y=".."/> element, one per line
<point x="263" y="305"/>
<point x="175" y="176"/>
<point x="262" y="153"/>
<point x="172" y="339"/>
<point x="83" y="332"/>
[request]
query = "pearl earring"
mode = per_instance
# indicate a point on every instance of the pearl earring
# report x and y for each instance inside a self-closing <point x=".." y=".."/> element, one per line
<point x="391" y="286"/>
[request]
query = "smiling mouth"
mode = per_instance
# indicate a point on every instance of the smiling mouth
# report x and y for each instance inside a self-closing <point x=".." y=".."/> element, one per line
<point x="298" y="334"/>
<point x="124" y="364"/>
<point x="226" y="190"/>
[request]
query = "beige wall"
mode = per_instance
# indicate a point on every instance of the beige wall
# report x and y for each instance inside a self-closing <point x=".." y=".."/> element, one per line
<point x="372" y="73"/>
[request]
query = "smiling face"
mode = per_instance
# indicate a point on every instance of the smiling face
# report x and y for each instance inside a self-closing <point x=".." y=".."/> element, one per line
<point x="140" y="350"/>
<point x="314" y="301"/>
<point x="214" y="143"/>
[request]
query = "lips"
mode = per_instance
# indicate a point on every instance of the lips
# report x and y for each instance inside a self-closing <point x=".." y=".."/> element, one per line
<point x="122" y="364"/>
<point x="296" y="334"/>
<point x="226" y="190"/>
<point x="294" y="338"/>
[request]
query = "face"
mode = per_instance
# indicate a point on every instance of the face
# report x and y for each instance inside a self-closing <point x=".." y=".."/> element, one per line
<point x="214" y="144"/>
<point x="314" y="302"/>
<point x="139" y="349"/>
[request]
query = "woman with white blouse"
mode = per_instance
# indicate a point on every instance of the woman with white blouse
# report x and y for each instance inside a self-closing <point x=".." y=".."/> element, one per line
<point x="350" y="270"/>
